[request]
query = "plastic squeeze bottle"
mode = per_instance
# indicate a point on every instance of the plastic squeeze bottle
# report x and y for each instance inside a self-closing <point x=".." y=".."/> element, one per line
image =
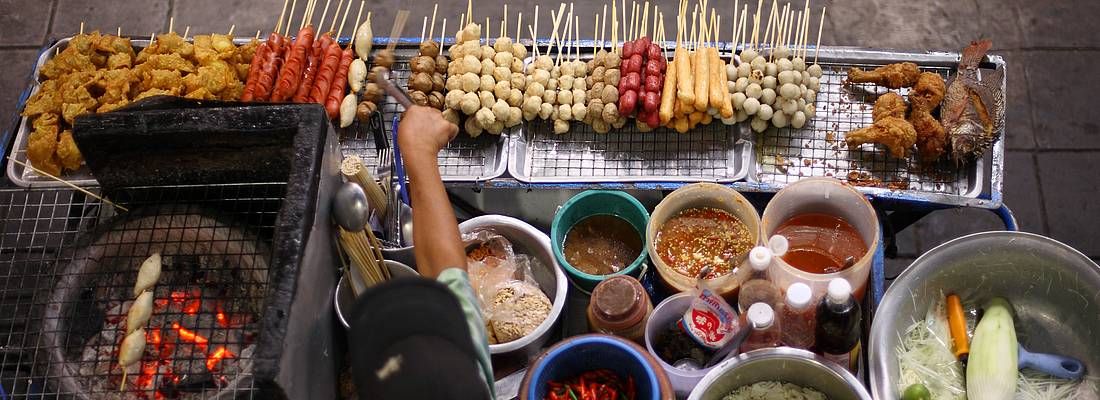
<point x="796" y="316"/>
<point x="765" y="331"/>
<point x="838" y="325"/>
<point x="757" y="288"/>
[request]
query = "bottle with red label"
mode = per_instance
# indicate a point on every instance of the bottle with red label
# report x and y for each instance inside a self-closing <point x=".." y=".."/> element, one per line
<point x="838" y="325"/>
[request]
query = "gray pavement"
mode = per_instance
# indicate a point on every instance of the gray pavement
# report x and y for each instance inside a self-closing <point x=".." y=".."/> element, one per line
<point x="1053" y="145"/>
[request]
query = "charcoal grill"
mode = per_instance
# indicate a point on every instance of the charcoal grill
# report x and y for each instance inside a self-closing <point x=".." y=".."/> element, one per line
<point x="202" y="334"/>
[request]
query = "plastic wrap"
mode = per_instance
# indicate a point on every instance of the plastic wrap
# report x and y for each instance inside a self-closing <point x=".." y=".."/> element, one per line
<point x="512" y="303"/>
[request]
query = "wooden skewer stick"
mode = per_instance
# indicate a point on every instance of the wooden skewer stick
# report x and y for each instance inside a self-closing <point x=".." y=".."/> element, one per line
<point x="431" y="31"/>
<point x="324" y="15"/>
<point x="343" y="20"/>
<point x="645" y="19"/>
<point x="355" y="28"/>
<point x="486" y="30"/>
<point x="186" y="31"/>
<point x="469" y="14"/>
<point x="504" y="22"/>
<point x="398" y="26"/>
<point x="797" y="36"/>
<point x="335" y="16"/>
<point x="577" y="37"/>
<point x="817" y="47"/>
<point x="625" y="22"/>
<point x="603" y="28"/>
<point x="118" y="32"/>
<point x="423" y="28"/>
<point x="81" y="27"/>
<point x="231" y="29"/>
<point x="806" y="29"/>
<point x="67" y="183"/>
<point x="442" y="33"/>
<point x="257" y="34"/>
<point x="171" y="24"/>
<point x="744" y="23"/>
<point x="519" y="22"/>
<point x="595" y="32"/>
<point x="279" y="23"/>
<point x="535" y="33"/>
<point x="290" y="18"/>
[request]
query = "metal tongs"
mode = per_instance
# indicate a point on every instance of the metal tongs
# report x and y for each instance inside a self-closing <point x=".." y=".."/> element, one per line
<point x="382" y="78"/>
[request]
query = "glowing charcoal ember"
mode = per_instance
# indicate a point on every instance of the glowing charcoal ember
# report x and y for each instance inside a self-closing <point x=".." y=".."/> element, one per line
<point x="219" y="354"/>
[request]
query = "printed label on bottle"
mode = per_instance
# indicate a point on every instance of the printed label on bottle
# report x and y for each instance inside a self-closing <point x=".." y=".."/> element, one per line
<point x="848" y="360"/>
<point x="710" y="321"/>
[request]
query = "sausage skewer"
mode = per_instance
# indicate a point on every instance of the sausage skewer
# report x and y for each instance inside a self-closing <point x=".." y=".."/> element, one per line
<point x="291" y="73"/>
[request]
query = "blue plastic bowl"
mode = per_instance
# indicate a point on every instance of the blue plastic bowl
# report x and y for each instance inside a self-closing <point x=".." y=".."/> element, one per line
<point x="580" y="354"/>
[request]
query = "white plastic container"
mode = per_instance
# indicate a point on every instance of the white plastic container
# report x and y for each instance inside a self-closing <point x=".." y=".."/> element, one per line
<point x="664" y="315"/>
<point x="703" y="195"/>
<point x="824" y="196"/>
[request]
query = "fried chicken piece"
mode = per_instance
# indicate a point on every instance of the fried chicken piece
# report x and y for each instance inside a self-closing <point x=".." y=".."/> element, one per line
<point x="47" y="100"/>
<point x="67" y="152"/>
<point x="893" y="76"/>
<point x="931" y="137"/>
<point x="897" y="134"/>
<point x="889" y="105"/>
<point x="927" y="94"/>
<point x="42" y="143"/>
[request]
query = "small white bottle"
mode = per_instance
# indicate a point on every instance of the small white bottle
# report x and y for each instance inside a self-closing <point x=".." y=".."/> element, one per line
<point x="758" y="288"/>
<point x="797" y="317"/>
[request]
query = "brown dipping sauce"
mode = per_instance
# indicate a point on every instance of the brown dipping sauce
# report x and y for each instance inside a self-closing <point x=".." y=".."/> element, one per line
<point x="602" y="244"/>
<point x="699" y="237"/>
<point x="821" y="243"/>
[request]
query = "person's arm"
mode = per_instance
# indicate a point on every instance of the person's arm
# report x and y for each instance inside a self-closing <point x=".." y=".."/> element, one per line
<point x="422" y="134"/>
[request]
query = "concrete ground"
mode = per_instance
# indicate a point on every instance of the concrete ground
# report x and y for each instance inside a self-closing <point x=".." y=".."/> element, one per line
<point x="1053" y="145"/>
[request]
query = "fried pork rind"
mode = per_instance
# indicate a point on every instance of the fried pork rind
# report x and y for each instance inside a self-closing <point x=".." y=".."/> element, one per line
<point x="68" y="61"/>
<point x="119" y="60"/>
<point x="42" y="144"/>
<point x="47" y="100"/>
<point x="157" y="92"/>
<point x="170" y="62"/>
<point x="160" y="79"/>
<point x="67" y="152"/>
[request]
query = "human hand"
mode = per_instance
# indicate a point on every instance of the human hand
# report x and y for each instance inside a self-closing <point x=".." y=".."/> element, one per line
<point x="423" y="132"/>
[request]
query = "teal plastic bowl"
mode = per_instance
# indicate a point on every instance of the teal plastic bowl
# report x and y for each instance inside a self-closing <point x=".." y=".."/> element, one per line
<point x="598" y="202"/>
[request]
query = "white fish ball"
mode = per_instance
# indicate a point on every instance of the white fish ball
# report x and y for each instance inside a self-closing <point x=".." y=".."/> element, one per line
<point x="780" y="120"/>
<point x="767" y="96"/>
<point x="751" y="105"/>
<point x="754" y="91"/>
<point x="789" y="91"/>
<point x="765" y="112"/>
<point x="758" y="125"/>
<point x="798" y="120"/>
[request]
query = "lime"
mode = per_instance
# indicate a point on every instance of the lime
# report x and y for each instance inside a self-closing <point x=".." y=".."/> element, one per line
<point x="916" y="391"/>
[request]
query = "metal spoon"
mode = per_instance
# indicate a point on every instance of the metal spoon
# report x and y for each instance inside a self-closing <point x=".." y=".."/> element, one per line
<point x="406" y="225"/>
<point x="350" y="208"/>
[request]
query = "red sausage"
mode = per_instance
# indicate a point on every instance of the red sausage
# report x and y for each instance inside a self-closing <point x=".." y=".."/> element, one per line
<point x="641" y="46"/>
<point x="651" y="102"/>
<point x="632" y="81"/>
<point x="633" y="64"/>
<point x="628" y="50"/>
<point x="291" y="74"/>
<point x="653" y="82"/>
<point x="339" y="82"/>
<point x="254" y="71"/>
<point x="271" y="65"/>
<point x="315" y="57"/>
<point x="329" y="64"/>
<point x="654" y="52"/>
<point x="627" y="103"/>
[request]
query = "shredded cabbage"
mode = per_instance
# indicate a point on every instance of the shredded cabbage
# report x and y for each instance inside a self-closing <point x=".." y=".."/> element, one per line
<point x="773" y="390"/>
<point x="925" y="356"/>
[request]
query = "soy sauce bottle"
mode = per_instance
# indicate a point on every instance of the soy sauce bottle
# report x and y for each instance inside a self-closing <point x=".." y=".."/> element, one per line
<point x="838" y="325"/>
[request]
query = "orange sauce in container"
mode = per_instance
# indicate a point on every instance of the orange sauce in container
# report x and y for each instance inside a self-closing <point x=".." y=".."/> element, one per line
<point x="700" y="237"/>
<point x="821" y="243"/>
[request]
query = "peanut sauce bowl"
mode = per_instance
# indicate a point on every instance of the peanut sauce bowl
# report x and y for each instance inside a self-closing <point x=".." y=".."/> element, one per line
<point x="698" y="195"/>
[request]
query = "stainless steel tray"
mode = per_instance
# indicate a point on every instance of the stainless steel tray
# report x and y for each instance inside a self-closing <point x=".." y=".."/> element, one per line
<point x="784" y="156"/>
<point x="26" y="177"/>
<point x="712" y="153"/>
<point x="465" y="159"/>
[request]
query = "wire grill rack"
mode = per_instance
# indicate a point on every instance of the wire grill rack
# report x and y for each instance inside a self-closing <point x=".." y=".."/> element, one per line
<point x="68" y="272"/>
<point x="708" y="153"/>
<point x="786" y="155"/>
<point x="464" y="159"/>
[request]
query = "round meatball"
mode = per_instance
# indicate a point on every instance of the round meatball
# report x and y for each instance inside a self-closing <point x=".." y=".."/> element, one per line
<point x="565" y="82"/>
<point x="438" y="83"/>
<point x="503" y="45"/>
<point x="580" y="96"/>
<point x="421" y="81"/>
<point x="451" y="116"/>
<point x="470" y="64"/>
<point x="485" y="117"/>
<point x="610" y="95"/>
<point x="472" y="127"/>
<point x="454" y="83"/>
<point x="535" y="89"/>
<point x="384" y="58"/>
<point x="612" y="77"/>
<point x="515" y="97"/>
<point x="487" y="52"/>
<point x="545" y="110"/>
<point x="441" y="64"/>
<point x="519" y="51"/>
<point x="470" y="82"/>
<point x="580" y="111"/>
<point x="544" y="62"/>
<point x="541" y="76"/>
<point x="550" y="96"/>
<point x="435" y="100"/>
<point x="486" y="99"/>
<point x="486" y="67"/>
<point x="502" y="89"/>
<point x="487" y="83"/>
<point x="561" y="126"/>
<point x="422" y="64"/>
<point x="502" y="74"/>
<point x="565" y="96"/>
<point x="518" y="81"/>
<point x="453" y="99"/>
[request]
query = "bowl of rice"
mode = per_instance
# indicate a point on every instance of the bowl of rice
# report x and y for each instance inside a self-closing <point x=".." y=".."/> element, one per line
<point x="779" y="373"/>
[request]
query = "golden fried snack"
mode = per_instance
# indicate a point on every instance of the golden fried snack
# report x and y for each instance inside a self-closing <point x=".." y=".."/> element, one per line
<point x="67" y="152"/>
<point x="927" y="94"/>
<point x="160" y="79"/>
<point x="931" y="137"/>
<point x="115" y="85"/>
<point x="68" y="61"/>
<point x="169" y="62"/>
<point x="112" y="45"/>
<point x="42" y="144"/>
<point x="889" y="105"/>
<point x="893" y="76"/>
<point x="47" y="100"/>
<point x="897" y="134"/>
<point x="119" y="60"/>
<point x="157" y="92"/>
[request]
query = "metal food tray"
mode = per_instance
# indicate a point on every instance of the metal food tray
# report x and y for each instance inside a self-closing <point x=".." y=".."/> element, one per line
<point x="26" y="177"/>
<point x="465" y="159"/>
<point x="784" y="156"/>
<point x="711" y="153"/>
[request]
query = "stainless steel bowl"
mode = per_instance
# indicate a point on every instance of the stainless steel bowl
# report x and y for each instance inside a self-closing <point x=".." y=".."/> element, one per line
<point x="1054" y="289"/>
<point x="783" y="364"/>
<point x="343" y="299"/>
<point x="527" y="240"/>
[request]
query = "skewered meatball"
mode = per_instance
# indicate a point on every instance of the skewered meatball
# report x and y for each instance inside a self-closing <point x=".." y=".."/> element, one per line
<point x="418" y="98"/>
<point x="612" y="77"/>
<point x="453" y="83"/>
<point x="485" y="117"/>
<point x="519" y="51"/>
<point x="422" y="64"/>
<point x="486" y="99"/>
<point x="364" y="110"/>
<point x="470" y="103"/>
<point x="610" y="95"/>
<point x="453" y="99"/>
<point x="487" y="67"/>
<point x="515" y="97"/>
<point x="541" y="76"/>
<point x="435" y="100"/>
<point x="518" y="81"/>
<point x="544" y="63"/>
<point x="373" y="92"/>
<point x="470" y="82"/>
<point x="438" y="83"/>
<point x="502" y="89"/>
<point x="487" y="83"/>
<point x="550" y="96"/>
<point x="469" y="63"/>
<point x="545" y="110"/>
<point x="420" y="81"/>
<point x="502" y="74"/>
<point x="580" y="111"/>
<point x="441" y="64"/>
<point x="535" y="89"/>
<point x="565" y="97"/>
<point x="561" y="126"/>
<point x="488" y="52"/>
<point x="503" y="45"/>
<point x="429" y="48"/>
<point x="472" y="127"/>
<point x="517" y="64"/>
<point x="451" y="116"/>
<point x="612" y="61"/>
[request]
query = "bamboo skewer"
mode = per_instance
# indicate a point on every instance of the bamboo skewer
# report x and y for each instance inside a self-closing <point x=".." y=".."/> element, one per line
<point x="335" y="15"/>
<point x="398" y="26"/>
<point x="431" y="31"/>
<point x="290" y="18"/>
<point x="423" y="28"/>
<point x="324" y="14"/>
<point x="817" y="47"/>
<point x="67" y="183"/>
<point x="519" y="22"/>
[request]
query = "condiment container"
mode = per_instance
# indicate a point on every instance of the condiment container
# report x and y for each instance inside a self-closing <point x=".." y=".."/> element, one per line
<point x="664" y="315"/>
<point x="702" y="195"/>
<point x="764" y="330"/>
<point x="826" y="196"/>
<point x="783" y="364"/>
<point x="597" y="202"/>
<point x="758" y="288"/>
<point x="579" y="354"/>
<point x="797" y="317"/>
<point x="839" y="322"/>
<point x="620" y="306"/>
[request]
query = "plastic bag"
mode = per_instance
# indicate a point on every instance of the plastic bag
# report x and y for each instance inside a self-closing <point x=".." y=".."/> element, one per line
<point x="710" y="320"/>
<point x="511" y="301"/>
